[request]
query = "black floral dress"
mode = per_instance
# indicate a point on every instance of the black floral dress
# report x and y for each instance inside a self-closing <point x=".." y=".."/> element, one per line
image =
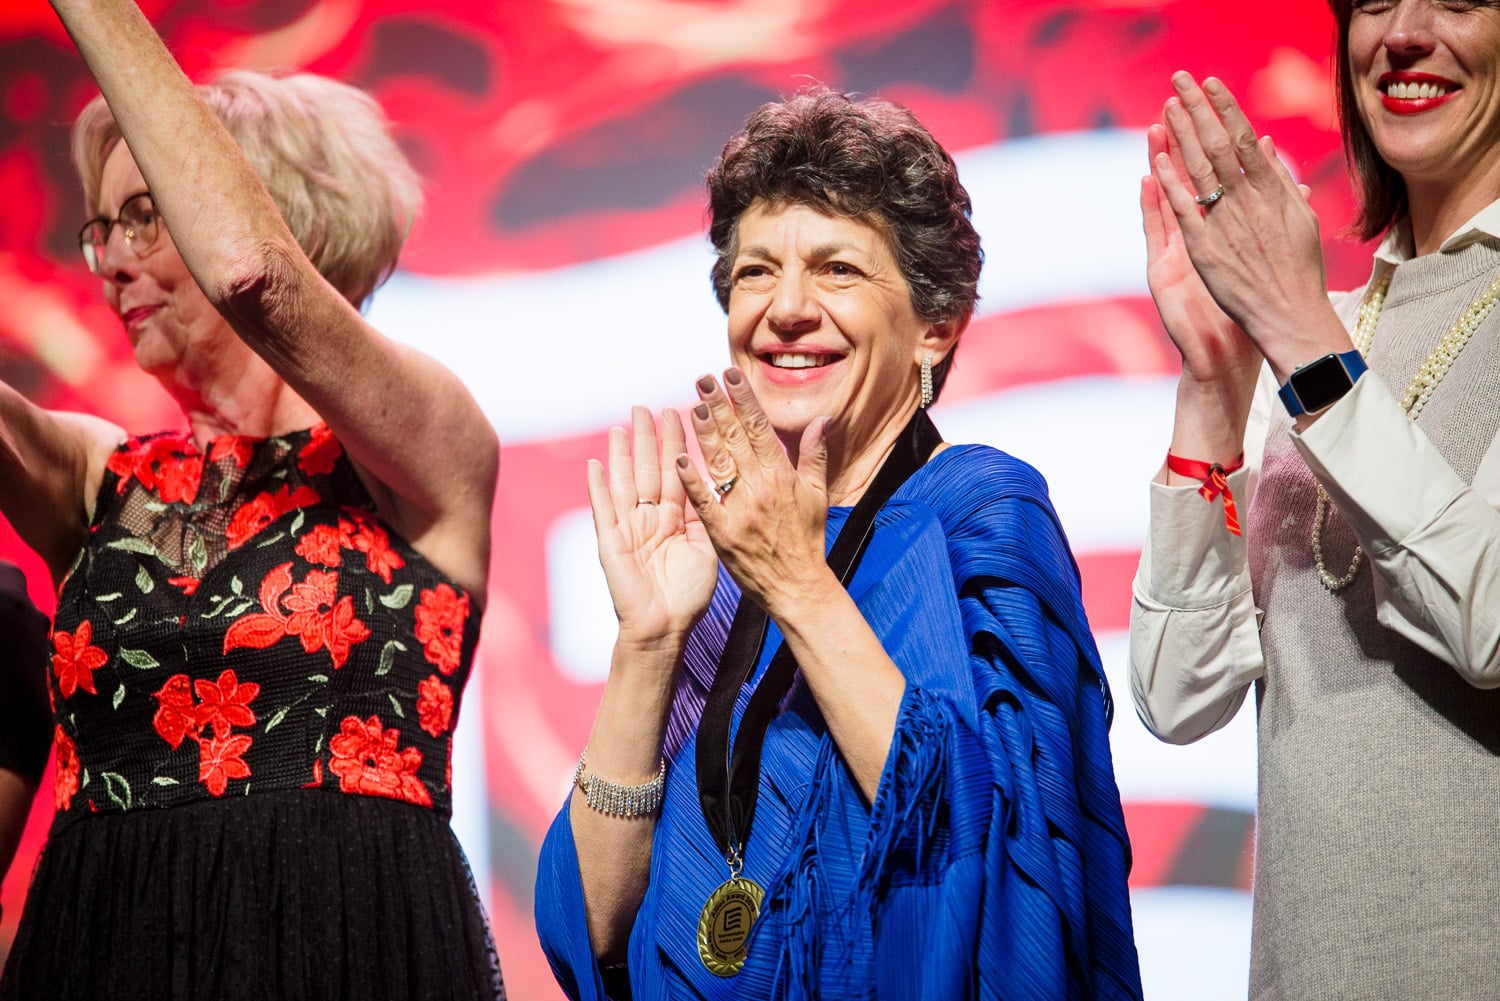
<point x="254" y="686"/>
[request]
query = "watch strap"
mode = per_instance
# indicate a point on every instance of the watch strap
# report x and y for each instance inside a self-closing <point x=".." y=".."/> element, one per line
<point x="1353" y="365"/>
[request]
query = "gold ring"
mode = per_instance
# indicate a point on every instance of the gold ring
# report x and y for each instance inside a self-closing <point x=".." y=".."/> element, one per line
<point x="722" y="489"/>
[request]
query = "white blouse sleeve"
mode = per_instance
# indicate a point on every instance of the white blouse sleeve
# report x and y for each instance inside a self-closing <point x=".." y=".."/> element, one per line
<point x="1433" y="540"/>
<point x="1194" y="627"/>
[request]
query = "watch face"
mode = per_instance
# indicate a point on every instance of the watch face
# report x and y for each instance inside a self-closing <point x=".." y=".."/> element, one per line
<point x="1321" y="383"/>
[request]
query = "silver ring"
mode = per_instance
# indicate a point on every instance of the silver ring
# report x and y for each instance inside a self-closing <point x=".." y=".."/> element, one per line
<point x="1211" y="197"/>
<point x="643" y="500"/>
<point x="722" y="489"/>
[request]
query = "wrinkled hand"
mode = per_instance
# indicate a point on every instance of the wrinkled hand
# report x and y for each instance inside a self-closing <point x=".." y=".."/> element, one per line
<point x="657" y="559"/>
<point x="1215" y="351"/>
<point x="1257" y="248"/>
<point x="765" y="518"/>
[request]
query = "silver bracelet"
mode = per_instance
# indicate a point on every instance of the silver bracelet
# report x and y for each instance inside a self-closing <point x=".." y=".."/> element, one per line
<point x="615" y="800"/>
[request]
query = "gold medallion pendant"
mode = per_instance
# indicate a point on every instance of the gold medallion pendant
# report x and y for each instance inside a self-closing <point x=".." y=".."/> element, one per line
<point x="724" y="927"/>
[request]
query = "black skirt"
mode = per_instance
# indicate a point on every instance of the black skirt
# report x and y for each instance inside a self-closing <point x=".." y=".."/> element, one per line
<point x="286" y="895"/>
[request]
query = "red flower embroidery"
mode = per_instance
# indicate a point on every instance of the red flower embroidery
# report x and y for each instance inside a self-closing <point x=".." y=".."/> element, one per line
<point x="434" y="705"/>
<point x="365" y="758"/>
<point x="320" y="453"/>
<point x="220" y="759"/>
<point x="323" y="544"/>
<point x="188" y="584"/>
<point x="256" y="514"/>
<point x="67" y="769"/>
<point x="440" y="626"/>
<point x="234" y="447"/>
<point x="75" y="660"/>
<point x="313" y="612"/>
<point x="372" y="540"/>
<point x="157" y="466"/>
<point x="225" y="703"/>
<point x="175" y="718"/>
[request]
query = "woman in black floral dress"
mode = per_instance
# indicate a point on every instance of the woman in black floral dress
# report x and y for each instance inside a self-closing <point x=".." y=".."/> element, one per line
<point x="265" y="621"/>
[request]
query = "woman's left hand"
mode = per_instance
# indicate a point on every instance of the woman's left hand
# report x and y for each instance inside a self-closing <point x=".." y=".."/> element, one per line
<point x="1256" y="246"/>
<point x="765" y="518"/>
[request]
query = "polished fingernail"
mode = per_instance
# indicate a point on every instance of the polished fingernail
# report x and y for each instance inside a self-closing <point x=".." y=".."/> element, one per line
<point x="706" y="384"/>
<point x="683" y="462"/>
<point x="733" y="376"/>
<point x="701" y="411"/>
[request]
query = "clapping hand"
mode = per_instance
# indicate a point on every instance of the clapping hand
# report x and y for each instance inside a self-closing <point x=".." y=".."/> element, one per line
<point x="657" y="558"/>
<point x="765" y="517"/>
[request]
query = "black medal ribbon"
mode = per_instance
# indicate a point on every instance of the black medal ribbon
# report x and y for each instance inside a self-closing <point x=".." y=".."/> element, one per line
<point x="729" y="785"/>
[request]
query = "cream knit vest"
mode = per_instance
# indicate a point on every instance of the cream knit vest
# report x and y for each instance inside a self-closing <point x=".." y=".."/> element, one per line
<point x="1378" y="848"/>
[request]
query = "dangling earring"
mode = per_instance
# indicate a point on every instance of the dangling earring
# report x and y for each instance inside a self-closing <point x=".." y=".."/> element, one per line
<point x="927" y="381"/>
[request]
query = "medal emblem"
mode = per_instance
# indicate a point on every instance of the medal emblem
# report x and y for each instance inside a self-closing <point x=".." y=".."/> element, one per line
<point x="724" y="927"/>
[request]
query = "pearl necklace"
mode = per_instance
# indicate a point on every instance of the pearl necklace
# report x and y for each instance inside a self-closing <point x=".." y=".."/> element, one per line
<point x="1412" y="401"/>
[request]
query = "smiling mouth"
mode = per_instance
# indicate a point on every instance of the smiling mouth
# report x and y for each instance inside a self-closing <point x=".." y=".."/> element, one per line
<point x="1417" y="90"/>
<point x="799" y="360"/>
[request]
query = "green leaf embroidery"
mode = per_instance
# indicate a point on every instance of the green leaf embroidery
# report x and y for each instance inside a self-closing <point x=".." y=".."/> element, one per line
<point x="235" y="585"/>
<point x="318" y="679"/>
<point x="139" y="659"/>
<point x="224" y="487"/>
<point x="117" y="788"/>
<point x="223" y="603"/>
<point x="109" y="597"/>
<point x="143" y="581"/>
<point x="322" y="711"/>
<point x="164" y="780"/>
<point x="119" y="697"/>
<point x="155" y="506"/>
<point x="297" y="523"/>
<point x="396" y="705"/>
<point x="240" y="609"/>
<point x="318" y="747"/>
<point x="271" y="541"/>
<point x="126" y="617"/>
<point x="388" y="657"/>
<point x="280" y="715"/>
<point x="198" y="555"/>
<point x="399" y="598"/>
<point x="135" y="546"/>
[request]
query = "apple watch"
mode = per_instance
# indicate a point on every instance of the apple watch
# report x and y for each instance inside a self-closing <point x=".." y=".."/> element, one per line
<point x="1322" y="382"/>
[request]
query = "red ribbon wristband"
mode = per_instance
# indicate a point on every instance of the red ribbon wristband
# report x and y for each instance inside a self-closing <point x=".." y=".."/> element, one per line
<point x="1215" y="482"/>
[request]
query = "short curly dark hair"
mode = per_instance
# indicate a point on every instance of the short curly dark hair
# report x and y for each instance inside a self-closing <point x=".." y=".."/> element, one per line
<point x="862" y="158"/>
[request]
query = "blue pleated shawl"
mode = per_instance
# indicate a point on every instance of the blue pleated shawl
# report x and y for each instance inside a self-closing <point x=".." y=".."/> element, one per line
<point x="993" y="860"/>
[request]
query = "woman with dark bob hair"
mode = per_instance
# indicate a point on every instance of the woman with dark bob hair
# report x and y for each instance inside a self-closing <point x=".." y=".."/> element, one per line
<point x="1361" y="598"/>
<point x="265" y="619"/>
<point x="854" y="737"/>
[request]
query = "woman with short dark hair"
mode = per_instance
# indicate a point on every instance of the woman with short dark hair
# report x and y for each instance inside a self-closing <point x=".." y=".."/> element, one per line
<point x="854" y="736"/>
<point x="1361" y="595"/>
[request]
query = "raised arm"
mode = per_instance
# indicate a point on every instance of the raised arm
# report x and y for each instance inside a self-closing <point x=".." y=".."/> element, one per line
<point x="661" y="572"/>
<point x="419" y="440"/>
<point x="769" y="531"/>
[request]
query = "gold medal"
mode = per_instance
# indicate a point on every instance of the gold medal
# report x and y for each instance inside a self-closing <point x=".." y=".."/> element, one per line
<point x="724" y="927"/>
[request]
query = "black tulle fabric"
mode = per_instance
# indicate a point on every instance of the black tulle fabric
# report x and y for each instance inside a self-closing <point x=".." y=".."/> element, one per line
<point x="254" y="686"/>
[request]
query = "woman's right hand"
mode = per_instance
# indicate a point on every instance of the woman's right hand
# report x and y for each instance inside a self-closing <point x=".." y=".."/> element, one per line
<point x="657" y="558"/>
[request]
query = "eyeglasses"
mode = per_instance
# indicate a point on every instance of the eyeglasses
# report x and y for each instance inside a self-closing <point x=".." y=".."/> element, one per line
<point x="138" y="220"/>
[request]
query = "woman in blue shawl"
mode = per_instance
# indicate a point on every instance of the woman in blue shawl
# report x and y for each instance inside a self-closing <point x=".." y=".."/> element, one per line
<point x="853" y="743"/>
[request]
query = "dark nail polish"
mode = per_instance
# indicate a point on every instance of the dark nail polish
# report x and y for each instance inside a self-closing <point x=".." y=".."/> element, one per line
<point x="706" y="384"/>
<point x="701" y="411"/>
<point x="734" y="377"/>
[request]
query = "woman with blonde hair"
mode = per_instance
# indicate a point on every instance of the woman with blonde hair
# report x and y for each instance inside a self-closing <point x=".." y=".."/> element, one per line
<point x="265" y="621"/>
